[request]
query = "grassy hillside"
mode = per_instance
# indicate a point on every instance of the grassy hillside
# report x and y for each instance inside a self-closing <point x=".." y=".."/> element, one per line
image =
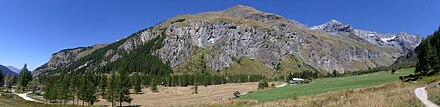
<point x="326" y="85"/>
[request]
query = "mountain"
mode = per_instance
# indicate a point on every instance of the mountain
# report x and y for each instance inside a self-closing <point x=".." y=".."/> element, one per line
<point x="13" y="69"/>
<point x="7" y="71"/>
<point x="65" y="57"/>
<point x="239" y="39"/>
<point x="403" y="42"/>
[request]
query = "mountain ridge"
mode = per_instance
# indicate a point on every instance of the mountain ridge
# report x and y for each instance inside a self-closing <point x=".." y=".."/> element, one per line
<point x="213" y="41"/>
<point x="6" y="71"/>
<point x="13" y="69"/>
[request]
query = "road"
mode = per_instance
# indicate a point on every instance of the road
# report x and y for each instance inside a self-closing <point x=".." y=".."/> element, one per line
<point x="422" y="95"/>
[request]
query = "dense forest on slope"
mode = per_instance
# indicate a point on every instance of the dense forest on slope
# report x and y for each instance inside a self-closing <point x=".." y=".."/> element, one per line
<point x="428" y="63"/>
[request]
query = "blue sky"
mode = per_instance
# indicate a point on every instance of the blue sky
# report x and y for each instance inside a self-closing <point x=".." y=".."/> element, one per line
<point x="30" y="31"/>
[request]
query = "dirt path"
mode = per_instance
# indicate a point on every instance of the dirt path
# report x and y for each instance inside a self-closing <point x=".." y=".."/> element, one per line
<point x="423" y="96"/>
<point x="25" y="97"/>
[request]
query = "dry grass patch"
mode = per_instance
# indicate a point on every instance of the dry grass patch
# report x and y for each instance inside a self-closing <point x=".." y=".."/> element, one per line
<point x="182" y="96"/>
<point x="434" y="92"/>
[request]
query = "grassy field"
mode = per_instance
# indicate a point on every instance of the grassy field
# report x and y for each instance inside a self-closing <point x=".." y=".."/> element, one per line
<point x="326" y="85"/>
<point x="11" y="100"/>
<point x="395" y="94"/>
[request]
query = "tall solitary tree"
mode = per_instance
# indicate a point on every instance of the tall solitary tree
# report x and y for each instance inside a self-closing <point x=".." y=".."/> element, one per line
<point x="24" y="77"/>
<point x="153" y="86"/>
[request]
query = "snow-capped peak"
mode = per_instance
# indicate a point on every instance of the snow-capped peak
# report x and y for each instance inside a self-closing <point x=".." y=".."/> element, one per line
<point x="334" y="22"/>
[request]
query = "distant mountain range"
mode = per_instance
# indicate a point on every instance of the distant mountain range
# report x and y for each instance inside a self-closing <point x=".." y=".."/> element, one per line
<point x="13" y="69"/>
<point x="240" y="40"/>
<point x="6" y="71"/>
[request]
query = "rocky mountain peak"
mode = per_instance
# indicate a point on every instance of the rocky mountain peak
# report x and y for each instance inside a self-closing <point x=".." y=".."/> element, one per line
<point x="334" y="22"/>
<point x="401" y="41"/>
<point x="334" y="26"/>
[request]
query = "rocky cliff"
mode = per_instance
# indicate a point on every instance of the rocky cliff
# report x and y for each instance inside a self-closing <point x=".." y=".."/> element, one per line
<point x="216" y="40"/>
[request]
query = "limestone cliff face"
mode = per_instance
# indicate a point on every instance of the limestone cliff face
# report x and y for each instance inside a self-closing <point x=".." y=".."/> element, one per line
<point x="225" y="40"/>
<point x="241" y="31"/>
<point x="245" y="32"/>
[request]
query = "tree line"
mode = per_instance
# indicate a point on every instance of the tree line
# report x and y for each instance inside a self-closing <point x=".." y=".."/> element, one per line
<point x="88" y="87"/>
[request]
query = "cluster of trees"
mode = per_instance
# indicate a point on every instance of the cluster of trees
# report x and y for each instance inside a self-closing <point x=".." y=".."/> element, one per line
<point x="310" y="75"/>
<point x="429" y="56"/>
<point x="10" y="80"/>
<point x="185" y="80"/>
<point x="88" y="87"/>
<point x="352" y="73"/>
<point x="22" y="81"/>
<point x="115" y="86"/>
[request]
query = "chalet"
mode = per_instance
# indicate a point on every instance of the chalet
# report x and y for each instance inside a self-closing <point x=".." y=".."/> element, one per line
<point x="295" y="81"/>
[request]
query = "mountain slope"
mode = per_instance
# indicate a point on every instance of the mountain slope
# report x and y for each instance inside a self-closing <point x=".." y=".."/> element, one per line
<point x="13" y="69"/>
<point x="7" y="71"/>
<point x="232" y="40"/>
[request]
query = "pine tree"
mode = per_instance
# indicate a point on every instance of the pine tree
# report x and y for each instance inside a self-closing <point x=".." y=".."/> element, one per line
<point x="153" y="86"/>
<point x="110" y="94"/>
<point x="136" y="83"/>
<point x="90" y="88"/>
<point x="2" y="78"/>
<point x="24" y="77"/>
<point x="73" y="88"/>
<point x="102" y="84"/>
<point x="196" y="90"/>
<point x="122" y="88"/>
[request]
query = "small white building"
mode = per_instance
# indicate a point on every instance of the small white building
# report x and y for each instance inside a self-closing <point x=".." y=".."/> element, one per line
<point x="295" y="81"/>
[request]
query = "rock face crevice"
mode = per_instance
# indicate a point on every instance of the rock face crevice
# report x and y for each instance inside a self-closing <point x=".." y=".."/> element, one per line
<point x="242" y="31"/>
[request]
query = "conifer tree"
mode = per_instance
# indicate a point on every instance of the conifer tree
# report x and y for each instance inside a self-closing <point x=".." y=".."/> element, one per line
<point x="153" y="86"/>
<point x="111" y="88"/>
<point x="90" y="88"/>
<point x="102" y="84"/>
<point x="121" y="88"/>
<point x="2" y="78"/>
<point x="136" y="83"/>
<point x="24" y="77"/>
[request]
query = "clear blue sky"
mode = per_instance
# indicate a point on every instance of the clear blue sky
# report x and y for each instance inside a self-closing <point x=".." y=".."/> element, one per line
<point x="30" y="31"/>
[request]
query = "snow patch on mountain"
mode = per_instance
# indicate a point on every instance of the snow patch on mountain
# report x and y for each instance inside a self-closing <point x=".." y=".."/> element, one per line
<point x="387" y="39"/>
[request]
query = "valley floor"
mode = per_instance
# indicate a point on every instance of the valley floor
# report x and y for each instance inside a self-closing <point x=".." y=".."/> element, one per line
<point x="375" y="89"/>
<point x="179" y="96"/>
